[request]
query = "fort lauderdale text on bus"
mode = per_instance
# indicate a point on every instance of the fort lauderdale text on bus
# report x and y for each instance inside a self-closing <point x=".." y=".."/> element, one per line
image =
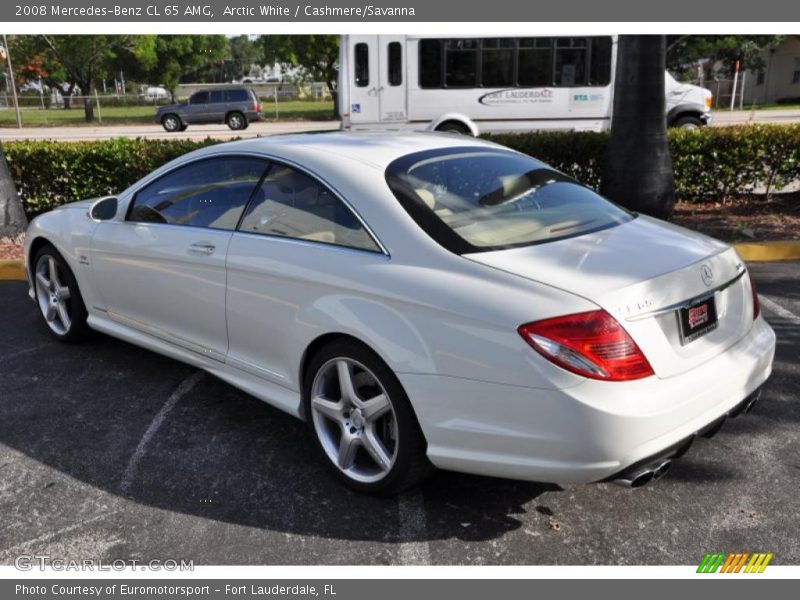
<point x="323" y="11"/>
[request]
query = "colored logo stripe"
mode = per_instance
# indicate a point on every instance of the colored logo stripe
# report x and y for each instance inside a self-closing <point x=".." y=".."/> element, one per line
<point x="734" y="562"/>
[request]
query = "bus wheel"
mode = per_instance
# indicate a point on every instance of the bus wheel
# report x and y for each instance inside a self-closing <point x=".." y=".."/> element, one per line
<point x="688" y="122"/>
<point x="454" y="127"/>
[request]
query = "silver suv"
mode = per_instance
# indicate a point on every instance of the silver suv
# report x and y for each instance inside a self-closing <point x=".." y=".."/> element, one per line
<point x="237" y="107"/>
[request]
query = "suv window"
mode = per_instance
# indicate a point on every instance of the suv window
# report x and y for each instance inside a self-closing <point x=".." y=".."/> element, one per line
<point x="216" y="97"/>
<point x="206" y="193"/>
<point x="292" y="204"/>
<point x="237" y="96"/>
<point x="199" y="98"/>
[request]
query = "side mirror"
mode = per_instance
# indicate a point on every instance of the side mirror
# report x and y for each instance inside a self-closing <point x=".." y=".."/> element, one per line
<point x="104" y="209"/>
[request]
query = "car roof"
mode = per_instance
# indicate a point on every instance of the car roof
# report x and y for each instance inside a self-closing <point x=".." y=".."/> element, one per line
<point x="377" y="149"/>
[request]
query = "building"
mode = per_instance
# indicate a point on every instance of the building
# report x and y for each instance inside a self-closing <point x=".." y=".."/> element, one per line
<point x="779" y="80"/>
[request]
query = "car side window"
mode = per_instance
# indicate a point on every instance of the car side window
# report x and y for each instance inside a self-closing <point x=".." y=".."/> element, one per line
<point x="216" y="97"/>
<point x="206" y="193"/>
<point x="292" y="204"/>
<point x="236" y="96"/>
<point x="199" y="98"/>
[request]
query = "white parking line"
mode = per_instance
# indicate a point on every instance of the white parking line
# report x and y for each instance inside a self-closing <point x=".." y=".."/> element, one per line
<point x="413" y="525"/>
<point x="29" y="544"/>
<point x="778" y="310"/>
<point x="133" y="464"/>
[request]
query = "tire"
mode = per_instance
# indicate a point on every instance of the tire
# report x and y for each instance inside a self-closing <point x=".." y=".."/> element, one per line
<point x="454" y="127"/>
<point x="236" y="121"/>
<point x="688" y="122"/>
<point x="386" y="453"/>
<point x="172" y="123"/>
<point x="58" y="297"/>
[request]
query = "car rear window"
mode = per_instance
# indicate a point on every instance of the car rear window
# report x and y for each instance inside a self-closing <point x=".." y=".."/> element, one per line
<point x="237" y="96"/>
<point x="474" y="199"/>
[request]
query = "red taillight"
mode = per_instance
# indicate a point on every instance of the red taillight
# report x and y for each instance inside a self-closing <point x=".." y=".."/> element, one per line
<point x="756" y="303"/>
<point x="592" y="344"/>
<point x="256" y="107"/>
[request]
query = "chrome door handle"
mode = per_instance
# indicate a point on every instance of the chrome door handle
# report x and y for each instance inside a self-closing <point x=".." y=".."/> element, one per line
<point x="202" y="248"/>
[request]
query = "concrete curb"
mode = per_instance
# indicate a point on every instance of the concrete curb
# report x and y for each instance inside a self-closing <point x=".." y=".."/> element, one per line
<point x="769" y="251"/>
<point x="12" y="270"/>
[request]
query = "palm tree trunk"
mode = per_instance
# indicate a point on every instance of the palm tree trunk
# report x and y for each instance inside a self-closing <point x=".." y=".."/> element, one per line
<point x="638" y="166"/>
<point x="12" y="215"/>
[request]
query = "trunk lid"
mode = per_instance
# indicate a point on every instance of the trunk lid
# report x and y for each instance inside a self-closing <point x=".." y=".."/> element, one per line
<point x="640" y="272"/>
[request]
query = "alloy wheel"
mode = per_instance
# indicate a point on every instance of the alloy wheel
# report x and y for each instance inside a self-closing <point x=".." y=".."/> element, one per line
<point x="354" y="419"/>
<point x="53" y="295"/>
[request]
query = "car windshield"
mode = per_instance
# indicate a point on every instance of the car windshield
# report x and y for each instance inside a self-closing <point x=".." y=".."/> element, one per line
<point x="473" y="199"/>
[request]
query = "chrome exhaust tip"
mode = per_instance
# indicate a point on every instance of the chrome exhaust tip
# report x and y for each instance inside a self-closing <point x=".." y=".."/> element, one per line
<point x="662" y="469"/>
<point x="635" y="480"/>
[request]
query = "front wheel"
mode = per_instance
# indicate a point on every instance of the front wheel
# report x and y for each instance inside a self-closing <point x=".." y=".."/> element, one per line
<point x="58" y="296"/>
<point x="362" y="421"/>
<point x="172" y="123"/>
<point x="689" y="122"/>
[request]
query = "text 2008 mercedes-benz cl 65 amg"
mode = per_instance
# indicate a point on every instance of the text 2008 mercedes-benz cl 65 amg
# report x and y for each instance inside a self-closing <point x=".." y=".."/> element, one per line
<point x="420" y="300"/>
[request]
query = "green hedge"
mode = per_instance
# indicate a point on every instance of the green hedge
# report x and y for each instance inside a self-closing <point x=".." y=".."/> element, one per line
<point x="709" y="163"/>
<point x="48" y="174"/>
<point x="713" y="162"/>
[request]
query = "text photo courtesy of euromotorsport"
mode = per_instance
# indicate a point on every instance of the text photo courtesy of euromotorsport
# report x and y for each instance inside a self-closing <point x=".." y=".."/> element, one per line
<point x="187" y="591"/>
<point x="205" y="10"/>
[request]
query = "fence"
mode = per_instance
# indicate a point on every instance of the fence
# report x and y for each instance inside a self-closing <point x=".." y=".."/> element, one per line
<point x="55" y="108"/>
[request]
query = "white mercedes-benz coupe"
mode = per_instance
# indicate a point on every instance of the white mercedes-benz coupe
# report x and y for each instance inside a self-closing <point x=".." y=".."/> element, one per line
<point x="420" y="300"/>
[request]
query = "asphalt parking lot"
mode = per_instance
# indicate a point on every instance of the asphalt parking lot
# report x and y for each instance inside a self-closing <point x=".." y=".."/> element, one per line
<point x="110" y="451"/>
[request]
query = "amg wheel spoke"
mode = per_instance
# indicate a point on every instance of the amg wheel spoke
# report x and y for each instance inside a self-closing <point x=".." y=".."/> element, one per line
<point x="376" y="407"/>
<point x="348" y="446"/>
<point x="42" y="281"/>
<point x="62" y="293"/>
<point x="52" y="271"/>
<point x="63" y="315"/>
<point x="377" y="450"/>
<point x="51" y="314"/>
<point x="332" y="410"/>
<point x="346" y="385"/>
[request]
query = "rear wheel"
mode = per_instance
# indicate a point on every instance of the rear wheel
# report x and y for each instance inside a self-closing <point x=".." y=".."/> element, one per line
<point x="172" y="123"/>
<point x="362" y="421"/>
<point x="58" y="296"/>
<point x="236" y="121"/>
<point x="454" y="127"/>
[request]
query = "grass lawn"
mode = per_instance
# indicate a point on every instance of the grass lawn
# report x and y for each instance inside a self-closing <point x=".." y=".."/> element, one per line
<point x="132" y="115"/>
<point x="773" y="107"/>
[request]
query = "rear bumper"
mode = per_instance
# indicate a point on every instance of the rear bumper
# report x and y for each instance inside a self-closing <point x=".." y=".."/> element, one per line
<point x="588" y="432"/>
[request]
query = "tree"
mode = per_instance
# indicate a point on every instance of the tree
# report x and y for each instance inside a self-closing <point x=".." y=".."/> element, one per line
<point x="12" y="214"/>
<point x="638" y="166"/>
<point x="686" y="51"/>
<point x="184" y="58"/>
<point x="244" y="52"/>
<point x="317" y="55"/>
<point x="70" y="61"/>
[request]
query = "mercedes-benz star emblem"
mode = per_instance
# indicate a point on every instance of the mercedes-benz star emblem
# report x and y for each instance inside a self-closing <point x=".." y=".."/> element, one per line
<point x="707" y="275"/>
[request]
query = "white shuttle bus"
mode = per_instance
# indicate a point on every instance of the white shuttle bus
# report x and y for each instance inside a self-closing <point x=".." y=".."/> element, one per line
<point x="472" y="85"/>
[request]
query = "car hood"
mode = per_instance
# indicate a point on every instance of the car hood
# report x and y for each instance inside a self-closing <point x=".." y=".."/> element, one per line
<point x="168" y="107"/>
<point x="638" y="262"/>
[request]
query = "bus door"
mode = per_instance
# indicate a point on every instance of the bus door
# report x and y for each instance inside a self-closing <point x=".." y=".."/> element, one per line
<point x="363" y="77"/>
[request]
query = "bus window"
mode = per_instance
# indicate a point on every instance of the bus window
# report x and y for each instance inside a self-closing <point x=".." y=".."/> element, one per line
<point x="461" y="63"/>
<point x="430" y="63"/>
<point x="535" y="63"/>
<point x="395" y="70"/>
<point x="570" y="62"/>
<point x="600" y="67"/>
<point x="362" y="65"/>
<point x="497" y="62"/>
